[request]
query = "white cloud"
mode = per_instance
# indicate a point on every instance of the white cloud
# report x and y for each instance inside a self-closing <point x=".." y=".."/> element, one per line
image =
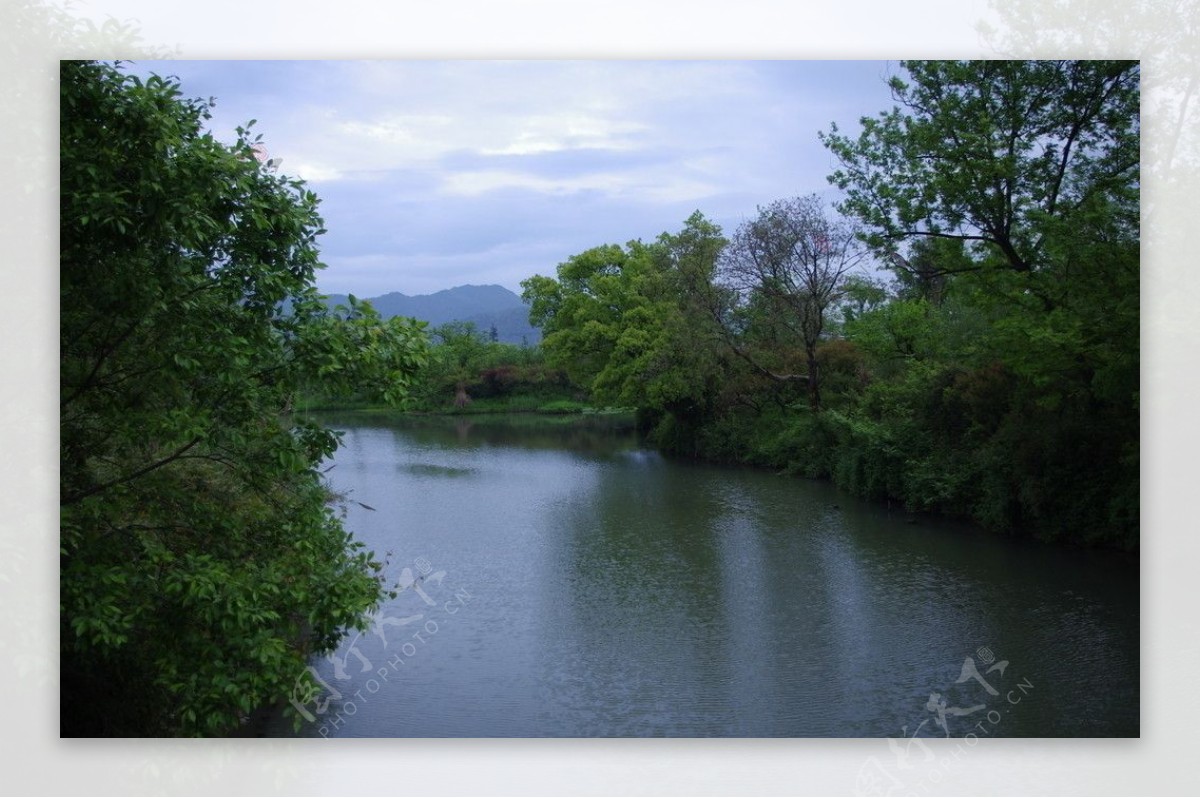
<point x="364" y="116"/>
<point x="395" y="141"/>
<point x="474" y="183"/>
<point x="566" y="130"/>
<point x="629" y="186"/>
<point x="312" y="172"/>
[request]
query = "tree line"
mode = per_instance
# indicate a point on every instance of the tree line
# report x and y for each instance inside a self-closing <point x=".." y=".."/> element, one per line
<point x="959" y="334"/>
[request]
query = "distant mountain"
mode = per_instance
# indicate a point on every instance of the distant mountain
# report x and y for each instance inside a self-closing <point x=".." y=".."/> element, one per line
<point x="484" y="305"/>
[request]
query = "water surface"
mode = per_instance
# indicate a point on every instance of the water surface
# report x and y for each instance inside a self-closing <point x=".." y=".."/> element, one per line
<point x="571" y="582"/>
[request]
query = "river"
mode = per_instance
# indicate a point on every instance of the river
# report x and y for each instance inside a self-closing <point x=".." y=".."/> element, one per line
<point x="560" y="579"/>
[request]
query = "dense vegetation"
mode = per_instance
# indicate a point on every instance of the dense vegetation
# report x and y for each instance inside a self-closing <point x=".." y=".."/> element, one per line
<point x="986" y="367"/>
<point x="469" y="372"/>
<point x="201" y="560"/>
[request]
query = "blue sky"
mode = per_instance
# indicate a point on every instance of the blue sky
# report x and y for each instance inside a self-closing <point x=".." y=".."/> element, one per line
<point x="439" y="173"/>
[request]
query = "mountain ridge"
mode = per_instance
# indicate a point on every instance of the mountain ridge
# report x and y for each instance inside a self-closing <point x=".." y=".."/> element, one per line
<point x="485" y="306"/>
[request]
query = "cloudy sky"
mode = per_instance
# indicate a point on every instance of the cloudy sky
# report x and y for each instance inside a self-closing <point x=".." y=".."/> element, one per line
<point x="439" y="173"/>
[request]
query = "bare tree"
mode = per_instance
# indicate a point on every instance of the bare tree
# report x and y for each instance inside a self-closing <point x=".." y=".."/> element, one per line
<point x="790" y="263"/>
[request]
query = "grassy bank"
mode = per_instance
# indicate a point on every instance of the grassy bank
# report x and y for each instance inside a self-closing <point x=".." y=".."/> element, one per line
<point x="490" y="406"/>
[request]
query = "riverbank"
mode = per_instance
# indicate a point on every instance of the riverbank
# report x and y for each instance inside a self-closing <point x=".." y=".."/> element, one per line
<point x="898" y="466"/>
<point x="505" y="405"/>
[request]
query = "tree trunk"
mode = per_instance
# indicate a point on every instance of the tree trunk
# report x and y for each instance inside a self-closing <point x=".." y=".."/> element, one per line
<point x="814" y="381"/>
<point x="461" y="399"/>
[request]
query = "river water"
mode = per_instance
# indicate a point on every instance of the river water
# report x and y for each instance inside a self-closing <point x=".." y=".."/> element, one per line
<point x="560" y="579"/>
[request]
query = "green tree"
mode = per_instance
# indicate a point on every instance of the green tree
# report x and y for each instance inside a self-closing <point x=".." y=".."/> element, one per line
<point x="580" y="312"/>
<point x="930" y="267"/>
<point x="989" y="152"/>
<point x="861" y="295"/>
<point x="457" y="358"/>
<point x="201" y="560"/>
<point x="630" y="322"/>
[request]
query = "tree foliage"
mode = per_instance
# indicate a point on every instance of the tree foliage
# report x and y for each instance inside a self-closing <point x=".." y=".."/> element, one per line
<point x="1016" y="186"/>
<point x="999" y="153"/>
<point x="627" y="322"/>
<point x="790" y="264"/>
<point x="201" y="561"/>
<point x="467" y="365"/>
